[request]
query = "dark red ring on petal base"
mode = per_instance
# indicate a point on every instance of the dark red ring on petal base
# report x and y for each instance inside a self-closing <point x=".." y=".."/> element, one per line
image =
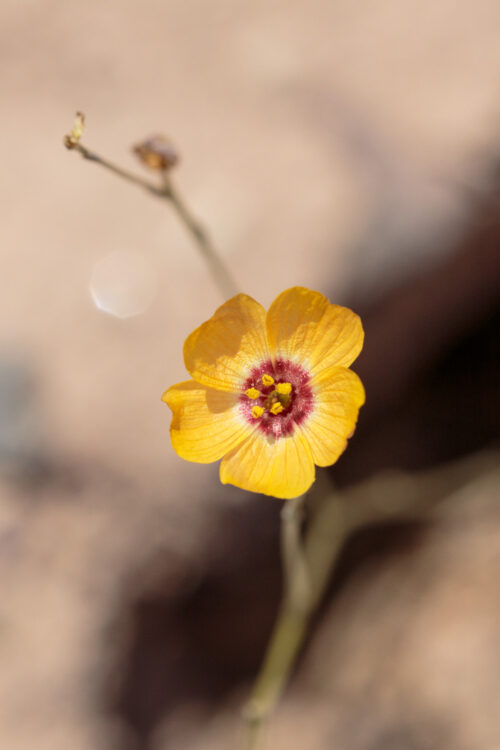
<point x="301" y="401"/>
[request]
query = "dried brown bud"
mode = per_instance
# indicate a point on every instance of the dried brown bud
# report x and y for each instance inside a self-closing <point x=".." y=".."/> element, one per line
<point x="157" y="152"/>
<point x="72" y="139"/>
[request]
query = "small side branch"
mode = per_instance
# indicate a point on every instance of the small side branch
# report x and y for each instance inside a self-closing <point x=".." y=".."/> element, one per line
<point x="166" y="191"/>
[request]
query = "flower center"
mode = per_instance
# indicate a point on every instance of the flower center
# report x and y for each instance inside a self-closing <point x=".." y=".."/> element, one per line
<point x="277" y="396"/>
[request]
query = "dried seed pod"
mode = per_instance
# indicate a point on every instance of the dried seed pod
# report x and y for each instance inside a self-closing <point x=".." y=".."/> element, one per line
<point x="157" y="152"/>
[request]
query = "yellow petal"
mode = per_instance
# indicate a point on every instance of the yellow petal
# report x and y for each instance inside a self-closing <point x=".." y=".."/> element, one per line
<point x="303" y="326"/>
<point x="206" y="424"/>
<point x="223" y="350"/>
<point x="338" y="396"/>
<point x="280" y="467"/>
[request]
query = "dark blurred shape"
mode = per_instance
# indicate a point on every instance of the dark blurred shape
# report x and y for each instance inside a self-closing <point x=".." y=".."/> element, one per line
<point x="157" y="152"/>
<point x="22" y="456"/>
<point x="431" y="361"/>
<point x="193" y="643"/>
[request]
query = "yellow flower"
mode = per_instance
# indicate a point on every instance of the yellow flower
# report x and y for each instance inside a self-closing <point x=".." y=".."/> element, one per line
<point x="271" y="394"/>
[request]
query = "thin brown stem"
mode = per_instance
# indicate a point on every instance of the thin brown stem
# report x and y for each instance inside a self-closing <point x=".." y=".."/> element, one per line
<point x="119" y="171"/>
<point x="219" y="271"/>
<point x="220" y="274"/>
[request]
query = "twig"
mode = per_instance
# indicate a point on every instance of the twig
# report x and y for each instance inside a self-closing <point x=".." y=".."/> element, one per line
<point x="219" y="271"/>
<point x="221" y="275"/>
<point x="119" y="171"/>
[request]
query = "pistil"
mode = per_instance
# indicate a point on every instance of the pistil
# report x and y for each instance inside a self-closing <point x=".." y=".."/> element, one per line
<point x="284" y="389"/>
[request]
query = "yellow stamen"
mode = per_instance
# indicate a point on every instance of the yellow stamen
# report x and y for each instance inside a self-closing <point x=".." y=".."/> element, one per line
<point x="252" y="393"/>
<point x="284" y="389"/>
<point x="267" y="380"/>
<point x="257" y="411"/>
<point x="276" y="408"/>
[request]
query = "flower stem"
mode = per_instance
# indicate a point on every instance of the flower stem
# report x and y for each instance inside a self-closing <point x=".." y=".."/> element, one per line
<point x="296" y="584"/>
<point x="306" y="570"/>
<point x="290" y="626"/>
<point x="285" y="643"/>
<point x="220" y="273"/>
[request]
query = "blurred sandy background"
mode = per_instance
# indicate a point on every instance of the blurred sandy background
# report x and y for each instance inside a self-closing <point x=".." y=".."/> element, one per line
<point x="348" y="147"/>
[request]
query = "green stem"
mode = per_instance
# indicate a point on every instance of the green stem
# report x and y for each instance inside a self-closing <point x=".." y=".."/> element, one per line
<point x="286" y="640"/>
<point x="306" y="570"/>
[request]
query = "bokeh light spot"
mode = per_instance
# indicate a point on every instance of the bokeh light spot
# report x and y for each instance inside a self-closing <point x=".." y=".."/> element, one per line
<point x="123" y="284"/>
